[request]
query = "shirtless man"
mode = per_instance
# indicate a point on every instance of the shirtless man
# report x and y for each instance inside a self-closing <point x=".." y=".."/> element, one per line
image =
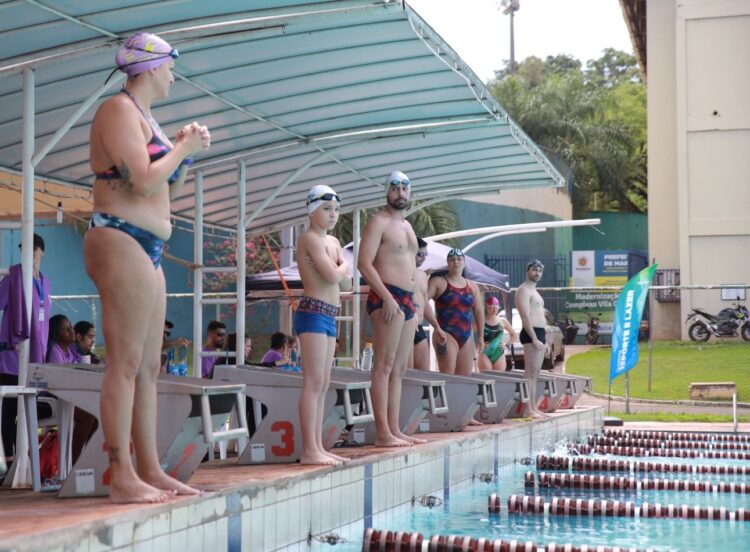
<point x="386" y="260"/>
<point x="324" y="272"/>
<point x="421" y="351"/>
<point x="530" y="307"/>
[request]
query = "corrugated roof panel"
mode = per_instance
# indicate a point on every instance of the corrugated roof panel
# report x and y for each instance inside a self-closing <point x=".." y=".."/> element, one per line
<point x="357" y="86"/>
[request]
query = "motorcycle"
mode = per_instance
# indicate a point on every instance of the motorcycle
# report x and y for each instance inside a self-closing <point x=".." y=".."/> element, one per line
<point x="724" y="324"/>
<point x="569" y="330"/>
<point x="592" y="335"/>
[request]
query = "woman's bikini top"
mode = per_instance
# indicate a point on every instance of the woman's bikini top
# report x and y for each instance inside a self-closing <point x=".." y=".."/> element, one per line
<point x="156" y="150"/>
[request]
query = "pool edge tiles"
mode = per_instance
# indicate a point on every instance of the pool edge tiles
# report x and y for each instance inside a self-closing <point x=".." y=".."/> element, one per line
<point x="280" y="513"/>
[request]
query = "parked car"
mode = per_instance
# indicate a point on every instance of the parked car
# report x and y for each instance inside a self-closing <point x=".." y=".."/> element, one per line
<point x="553" y="335"/>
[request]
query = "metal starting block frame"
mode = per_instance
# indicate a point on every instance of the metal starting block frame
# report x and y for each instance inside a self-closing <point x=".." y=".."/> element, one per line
<point x="419" y="397"/>
<point x="190" y="413"/>
<point x="548" y="393"/>
<point x="509" y="393"/>
<point x="277" y="436"/>
<point x="577" y="386"/>
<point x="466" y="396"/>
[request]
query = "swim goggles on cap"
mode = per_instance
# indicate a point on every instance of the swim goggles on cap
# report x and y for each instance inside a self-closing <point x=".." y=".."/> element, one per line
<point x="398" y="182"/>
<point x="173" y="53"/>
<point x="535" y="263"/>
<point x="325" y="197"/>
<point x="455" y="252"/>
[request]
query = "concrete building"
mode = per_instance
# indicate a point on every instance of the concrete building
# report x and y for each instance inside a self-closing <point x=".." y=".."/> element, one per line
<point x="696" y="55"/>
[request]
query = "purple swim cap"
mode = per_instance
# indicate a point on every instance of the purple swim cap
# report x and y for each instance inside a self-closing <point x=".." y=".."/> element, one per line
<point x="143" y="51"/>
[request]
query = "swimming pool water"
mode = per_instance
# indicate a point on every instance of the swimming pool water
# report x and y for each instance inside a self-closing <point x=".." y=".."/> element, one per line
<point x="464" y="512"/>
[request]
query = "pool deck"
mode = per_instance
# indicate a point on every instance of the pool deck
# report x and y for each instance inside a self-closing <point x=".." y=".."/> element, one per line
<point x="31" y="520"/>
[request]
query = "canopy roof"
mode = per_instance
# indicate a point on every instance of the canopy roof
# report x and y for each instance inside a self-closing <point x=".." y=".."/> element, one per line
<point x="340" y="92"/>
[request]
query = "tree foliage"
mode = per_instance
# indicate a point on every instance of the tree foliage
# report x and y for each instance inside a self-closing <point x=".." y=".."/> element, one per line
<point x="594" y="119"/>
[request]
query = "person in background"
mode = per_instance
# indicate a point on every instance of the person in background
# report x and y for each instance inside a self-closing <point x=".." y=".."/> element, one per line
<point x="292" y="350"/>
<point x="276" y="355"/>
<point x="421" y="351"/>
<point x="458" y="305"/>
<point x="232" y="346"/>
<point x="215" y="340"/>
<point x="61" y="344"/>
<point x="15" y="329"/>
<point x="85" y="333"/>
<point x="492" y="357"/>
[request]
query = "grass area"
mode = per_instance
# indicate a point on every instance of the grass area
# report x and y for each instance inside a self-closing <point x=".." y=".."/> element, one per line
<point x="674" y="417"/>
<point x="675" y="365"/>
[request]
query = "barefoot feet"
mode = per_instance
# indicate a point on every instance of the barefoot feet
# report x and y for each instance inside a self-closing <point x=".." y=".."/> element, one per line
<point x="162" y="481"/>
<point x="136" y="491"/>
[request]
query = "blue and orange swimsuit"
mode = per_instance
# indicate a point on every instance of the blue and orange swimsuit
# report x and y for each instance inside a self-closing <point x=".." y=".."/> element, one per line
<point x="454" y="312"/>
<point x="157" y="148"/>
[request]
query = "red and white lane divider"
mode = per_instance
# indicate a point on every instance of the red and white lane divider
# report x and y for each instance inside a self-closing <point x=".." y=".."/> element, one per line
<point x="670" y="452"/>
<point x="678" y="436"/>
<point x="391" y="541"/>
<point x="601" y="482"/>
<point x="544" y="462"/>
<point x="562" y="506"/>
<point x="661" y="443"/>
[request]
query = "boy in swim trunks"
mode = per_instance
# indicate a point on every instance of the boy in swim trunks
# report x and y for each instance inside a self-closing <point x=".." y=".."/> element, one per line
<point x="530" y="307"/>
<point x="386" y="261"/>
<point x="324" y="273"/>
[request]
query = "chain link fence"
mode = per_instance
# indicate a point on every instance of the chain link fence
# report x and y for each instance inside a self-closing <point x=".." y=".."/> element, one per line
<point x="694" y="350"/>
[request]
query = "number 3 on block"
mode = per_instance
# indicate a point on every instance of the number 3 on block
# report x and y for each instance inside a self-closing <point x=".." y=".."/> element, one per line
<point x="286" y="435"/>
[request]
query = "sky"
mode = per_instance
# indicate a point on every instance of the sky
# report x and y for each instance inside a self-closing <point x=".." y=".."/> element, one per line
<point x="480" y="33"/>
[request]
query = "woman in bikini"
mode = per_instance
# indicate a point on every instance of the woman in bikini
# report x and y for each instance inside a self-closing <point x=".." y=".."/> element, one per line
<point x="492" y="357"/>
<point x="137" y="171"/>
<point x="458" y="307"/>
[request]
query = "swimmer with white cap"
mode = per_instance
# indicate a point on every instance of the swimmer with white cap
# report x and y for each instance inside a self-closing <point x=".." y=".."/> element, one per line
<point x="324" y="273"/>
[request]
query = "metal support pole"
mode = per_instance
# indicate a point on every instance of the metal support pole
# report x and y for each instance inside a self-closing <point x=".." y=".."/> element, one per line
<point x="22" y="476"/>
<point x="198" y="276"/>
<point x="241" y="262"/>
<point x="627" y="392"/>
<point x="356" y="231"/>
<point x="287" y="258"/>
<point x="650" y="336"/>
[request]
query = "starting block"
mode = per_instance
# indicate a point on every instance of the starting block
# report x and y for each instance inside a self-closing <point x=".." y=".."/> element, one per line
<point x="510" y="392"/>
<point x="191" y="412"/>
<point x="466" y="396"/>
<point x="577" y="386"/>
<point x="547" y="393"/>
<point x="419" y="397"/>
<point x="277" y="436"/>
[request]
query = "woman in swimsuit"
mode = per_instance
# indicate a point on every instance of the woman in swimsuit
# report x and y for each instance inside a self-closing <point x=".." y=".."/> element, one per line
<point x="457" y="307"/>
<point x="137" y="171"/>
<point x="492" y="357"/>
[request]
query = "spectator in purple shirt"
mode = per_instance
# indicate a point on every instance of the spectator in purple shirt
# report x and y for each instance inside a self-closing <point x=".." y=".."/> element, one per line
<point x="217" y="335"/>
<point x="277" y="353"/>
<point x="61" y="345"/>
<point x="17" y="326"/>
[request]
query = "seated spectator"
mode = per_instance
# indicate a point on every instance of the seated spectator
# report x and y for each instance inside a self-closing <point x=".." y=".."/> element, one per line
<point x="276" y="355"/>
<point x="216" y="337"/>
<point x="61" y="343"/>
<point x="85" y="338"/>
<point x="232" y="346"/>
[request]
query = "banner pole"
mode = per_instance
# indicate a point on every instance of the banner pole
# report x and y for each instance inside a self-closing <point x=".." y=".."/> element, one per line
<point x="609" y="400"/>
<point x="650" y="339"/>
<point x="627" y="392"/>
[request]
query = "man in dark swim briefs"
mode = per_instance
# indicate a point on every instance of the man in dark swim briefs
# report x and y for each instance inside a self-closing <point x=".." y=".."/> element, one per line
<point x="386" y="261"/>
<point x="530" y="307"/>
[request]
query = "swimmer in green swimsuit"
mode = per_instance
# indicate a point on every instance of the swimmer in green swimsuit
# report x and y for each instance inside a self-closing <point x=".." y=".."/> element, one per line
<point x="492" y="357"/>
